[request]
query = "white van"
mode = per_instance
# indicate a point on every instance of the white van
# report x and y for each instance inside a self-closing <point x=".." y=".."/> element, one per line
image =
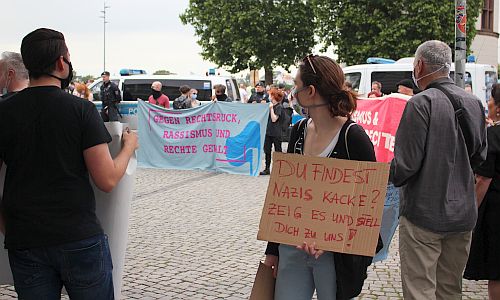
<point x="139" y="87"/>
<point x="480" y="77"/>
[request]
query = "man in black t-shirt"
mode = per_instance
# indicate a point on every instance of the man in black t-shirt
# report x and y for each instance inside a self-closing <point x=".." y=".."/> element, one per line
<point x="110" y="97"/>
<point x="52" y="233"/>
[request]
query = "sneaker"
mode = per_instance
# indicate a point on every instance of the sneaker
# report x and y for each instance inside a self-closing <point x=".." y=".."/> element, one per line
<point x="265" y="172"/>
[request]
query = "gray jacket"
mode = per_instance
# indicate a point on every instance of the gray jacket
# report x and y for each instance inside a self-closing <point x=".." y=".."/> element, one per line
<point x="431" y="163"/>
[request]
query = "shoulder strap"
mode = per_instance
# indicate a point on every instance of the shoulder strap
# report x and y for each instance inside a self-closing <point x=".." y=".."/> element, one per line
<point x="459" y="114"/>
<point x="457" y="106"/>
<point x="345" y="139"/>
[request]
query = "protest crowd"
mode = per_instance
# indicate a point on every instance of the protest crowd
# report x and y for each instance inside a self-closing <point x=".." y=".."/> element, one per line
<point x="446" y="166"/>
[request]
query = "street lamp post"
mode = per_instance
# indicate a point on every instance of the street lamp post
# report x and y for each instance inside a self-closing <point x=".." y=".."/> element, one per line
<point x="104" y="40"/>
<point x="460" y="41"/>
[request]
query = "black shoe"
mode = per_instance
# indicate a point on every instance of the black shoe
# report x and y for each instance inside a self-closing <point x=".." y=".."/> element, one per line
<point x="265" y="172"/>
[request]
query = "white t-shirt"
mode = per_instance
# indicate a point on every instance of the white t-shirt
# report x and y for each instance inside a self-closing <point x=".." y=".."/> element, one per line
<point x="244" y="95"/>
<point x="328" y="150"/>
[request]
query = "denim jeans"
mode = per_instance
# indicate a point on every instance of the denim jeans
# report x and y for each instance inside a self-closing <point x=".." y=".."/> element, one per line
<point x="299" y="274"/>
<point x="84" y="268"/>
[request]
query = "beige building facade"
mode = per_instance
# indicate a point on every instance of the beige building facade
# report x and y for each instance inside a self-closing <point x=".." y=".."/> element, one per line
<point x="485" y="45"/>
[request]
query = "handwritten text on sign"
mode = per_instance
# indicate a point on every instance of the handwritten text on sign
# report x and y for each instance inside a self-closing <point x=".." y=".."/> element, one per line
<point x="336" y="203"/>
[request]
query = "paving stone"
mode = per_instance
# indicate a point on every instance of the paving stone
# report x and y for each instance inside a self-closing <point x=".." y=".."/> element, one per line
<point x="192" y="235"/>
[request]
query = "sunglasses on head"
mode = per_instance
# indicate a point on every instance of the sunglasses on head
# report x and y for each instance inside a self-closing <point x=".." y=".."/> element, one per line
<point x="309" y="58"/>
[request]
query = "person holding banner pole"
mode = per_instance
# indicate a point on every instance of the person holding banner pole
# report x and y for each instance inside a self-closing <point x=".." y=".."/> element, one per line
<point x="52" y="232"/>
<point x="328" y="132"/>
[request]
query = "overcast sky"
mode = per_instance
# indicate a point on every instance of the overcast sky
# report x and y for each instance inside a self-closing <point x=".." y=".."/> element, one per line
<point x="142" y="34"/>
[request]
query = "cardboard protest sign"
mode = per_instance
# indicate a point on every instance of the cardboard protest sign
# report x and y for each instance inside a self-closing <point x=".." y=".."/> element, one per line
<point x="335" y="203"/>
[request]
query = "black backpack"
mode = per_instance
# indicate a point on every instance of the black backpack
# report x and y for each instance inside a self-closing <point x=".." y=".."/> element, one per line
<point x="179" y="103"/>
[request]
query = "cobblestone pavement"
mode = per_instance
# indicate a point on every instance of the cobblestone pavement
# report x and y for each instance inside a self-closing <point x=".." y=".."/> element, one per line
<point x="193" y="235"/>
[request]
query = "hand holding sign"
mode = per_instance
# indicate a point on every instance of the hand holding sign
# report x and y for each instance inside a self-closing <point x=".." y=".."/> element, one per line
<point x="330" y="204"/>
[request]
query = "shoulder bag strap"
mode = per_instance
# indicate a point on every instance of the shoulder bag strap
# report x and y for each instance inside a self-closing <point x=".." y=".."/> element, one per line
<point x="459" y="113"/>
<point x="345" y="139"/>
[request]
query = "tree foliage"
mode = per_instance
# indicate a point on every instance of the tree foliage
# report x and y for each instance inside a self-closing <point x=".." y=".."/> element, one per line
<point x="241" y="34"/>
<point x="393" y="29"/>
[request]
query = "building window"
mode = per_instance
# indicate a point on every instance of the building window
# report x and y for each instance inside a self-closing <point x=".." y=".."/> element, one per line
<point x="487" y="16"/>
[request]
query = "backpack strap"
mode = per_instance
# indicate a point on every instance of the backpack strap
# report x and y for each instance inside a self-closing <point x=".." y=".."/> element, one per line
<point x="299" y="143"/>
<point x="345" y="139"/>
<point x="459" y="114"/>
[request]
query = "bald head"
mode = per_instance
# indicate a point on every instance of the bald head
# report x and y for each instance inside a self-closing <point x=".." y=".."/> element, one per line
<point x="156" y="86"/>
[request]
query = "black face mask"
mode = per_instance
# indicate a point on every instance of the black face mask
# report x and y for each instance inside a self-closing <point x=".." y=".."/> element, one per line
<point x="221" y="97"/>
<point x="155" y="94"/>
<point x="65" y="81"/>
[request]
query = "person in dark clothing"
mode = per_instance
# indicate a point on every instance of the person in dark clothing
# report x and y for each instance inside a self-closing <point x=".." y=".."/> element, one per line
<point x="484" y="257"/>
<point x="260" y="95"/>
<point x="52" y="233"/>
<point x="184" y="100"/>
<point x="273" y="131"/>
<point x="282" y="87"/>
<point x="329" y="132"/>
<point x="220" y="93"/>
<point x="13" y="74"/>
<point x="110" y="97"/>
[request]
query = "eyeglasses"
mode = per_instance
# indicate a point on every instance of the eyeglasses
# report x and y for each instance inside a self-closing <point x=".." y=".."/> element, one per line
<point x="309" y="59"/>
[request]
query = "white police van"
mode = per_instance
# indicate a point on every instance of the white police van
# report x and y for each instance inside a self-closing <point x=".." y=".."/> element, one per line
<point x="139" y="87"/>
<point x="480" y="77"/>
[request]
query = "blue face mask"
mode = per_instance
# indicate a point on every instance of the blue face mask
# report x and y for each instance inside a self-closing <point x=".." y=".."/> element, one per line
<point x="194" y="96"/>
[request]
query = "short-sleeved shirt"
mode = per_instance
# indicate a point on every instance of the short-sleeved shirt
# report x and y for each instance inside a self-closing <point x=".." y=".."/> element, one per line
<point x="163" y="100"/>
<point x="48" y="199"/>
<point x="274" y="128"/>
<point x="491" y="167"/>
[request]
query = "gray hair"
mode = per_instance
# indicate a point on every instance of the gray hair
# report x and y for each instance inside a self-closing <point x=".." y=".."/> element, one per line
<point x="436" y="55"/>
<point x="14" y="61"/>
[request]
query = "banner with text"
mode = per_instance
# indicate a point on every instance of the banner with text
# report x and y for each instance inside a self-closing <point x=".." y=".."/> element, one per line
<point x="335" y="203"/>
<point x="225" y="137"/>
<point x="380" y="119"/>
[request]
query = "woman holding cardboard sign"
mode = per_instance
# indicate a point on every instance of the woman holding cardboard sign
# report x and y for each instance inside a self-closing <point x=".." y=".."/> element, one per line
<point x="327" y="132"/>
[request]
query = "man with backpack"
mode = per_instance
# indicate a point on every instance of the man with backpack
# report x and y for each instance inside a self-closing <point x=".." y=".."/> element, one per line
<point x="184" y="100"/>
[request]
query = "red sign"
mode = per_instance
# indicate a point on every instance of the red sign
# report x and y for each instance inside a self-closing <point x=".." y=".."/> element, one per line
<point x="380" y="119"/>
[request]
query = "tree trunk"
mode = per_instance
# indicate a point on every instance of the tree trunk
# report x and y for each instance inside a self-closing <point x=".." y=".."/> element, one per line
<point x="268" y="75"/>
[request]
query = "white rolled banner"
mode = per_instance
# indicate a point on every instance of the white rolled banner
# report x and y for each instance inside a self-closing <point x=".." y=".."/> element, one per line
<point x="112" y="209"/>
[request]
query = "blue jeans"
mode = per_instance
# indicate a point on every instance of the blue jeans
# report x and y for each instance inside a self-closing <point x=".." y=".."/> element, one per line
<point x="84" y="268"/>
<point x="299" y="274"/>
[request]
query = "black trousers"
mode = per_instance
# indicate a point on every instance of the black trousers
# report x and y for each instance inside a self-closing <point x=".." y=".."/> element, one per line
<point x="268" y="144"/>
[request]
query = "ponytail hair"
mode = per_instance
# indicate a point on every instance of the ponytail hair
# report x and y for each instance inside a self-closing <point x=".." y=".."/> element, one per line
<point x="343" y="103"/>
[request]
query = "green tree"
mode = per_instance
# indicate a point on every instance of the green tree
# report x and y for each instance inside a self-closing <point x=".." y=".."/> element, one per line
<point x="241" y="34"/>
<point x="393" y="29"/>
<point x="163" y="72"/>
